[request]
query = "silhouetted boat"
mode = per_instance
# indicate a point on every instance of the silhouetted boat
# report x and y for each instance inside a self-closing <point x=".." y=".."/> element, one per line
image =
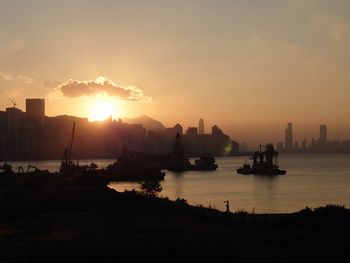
<point x="206" y="162"/>
<point x="264" y="163"/>
<point x="179" y="162"/>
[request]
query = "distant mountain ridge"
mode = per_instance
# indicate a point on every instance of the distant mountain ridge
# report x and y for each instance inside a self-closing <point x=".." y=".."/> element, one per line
<point x="147" y="122"/>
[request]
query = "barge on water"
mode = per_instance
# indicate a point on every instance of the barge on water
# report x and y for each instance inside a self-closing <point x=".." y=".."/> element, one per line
<point x="264" y="163"/>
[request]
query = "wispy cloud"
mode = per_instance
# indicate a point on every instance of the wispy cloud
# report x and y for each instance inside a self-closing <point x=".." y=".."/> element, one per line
<point x="51" y="84"/>
<point x="11" y="45"/>
<point x="14" y="92"/>
<point x="256" y="39"/>
<point x="291" y="47"/>
<point x="27" y="80"/>
<point x="4" y="76"/>
<point x="332" y="26"/>
<point x="12" y="86"/>
<point x="338" y="31"/>
<point x="100" y="86"/>
<point x="18" y="78"/>
<point x="16" y="45"/>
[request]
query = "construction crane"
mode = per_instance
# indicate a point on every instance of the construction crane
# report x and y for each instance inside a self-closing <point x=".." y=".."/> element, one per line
<point x="14" y="103"/>
<point x="66" y="163"/>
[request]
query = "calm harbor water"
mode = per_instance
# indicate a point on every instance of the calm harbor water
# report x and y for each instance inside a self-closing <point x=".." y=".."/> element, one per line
<point x="311" y="180"/>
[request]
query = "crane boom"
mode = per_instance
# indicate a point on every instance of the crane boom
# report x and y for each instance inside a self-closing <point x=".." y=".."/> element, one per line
<point x="71" y="145"/>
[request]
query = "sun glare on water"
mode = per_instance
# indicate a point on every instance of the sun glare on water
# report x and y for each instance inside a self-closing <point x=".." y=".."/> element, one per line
<point x="102" y="110"/>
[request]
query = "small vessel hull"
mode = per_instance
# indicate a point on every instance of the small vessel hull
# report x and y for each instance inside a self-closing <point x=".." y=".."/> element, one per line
<point x="264" y="163"/>
<point x="261" y="172"/>
<point x="193" y="167"/>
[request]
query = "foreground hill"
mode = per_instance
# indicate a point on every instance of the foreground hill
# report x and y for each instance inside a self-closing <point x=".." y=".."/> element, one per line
<point x="96" y="224"/>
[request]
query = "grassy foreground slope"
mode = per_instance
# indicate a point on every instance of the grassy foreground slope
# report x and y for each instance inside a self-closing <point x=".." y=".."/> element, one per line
<point x="96" y="224"/>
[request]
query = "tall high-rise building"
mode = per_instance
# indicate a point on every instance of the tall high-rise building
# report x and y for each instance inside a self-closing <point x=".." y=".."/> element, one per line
<point x="201" y="126"/>
<point x="35" y="108"/>
<point x="323" y="133"/>
<point x="289" y="137"/>
<point x="192" y="131"/>
<point x="215" y="130"/>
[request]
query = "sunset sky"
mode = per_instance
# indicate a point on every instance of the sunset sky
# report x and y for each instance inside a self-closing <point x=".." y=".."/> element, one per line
<point x="248" y="66"/>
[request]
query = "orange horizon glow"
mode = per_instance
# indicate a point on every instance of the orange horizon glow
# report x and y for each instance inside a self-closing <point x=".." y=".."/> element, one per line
<point x="102" y="110"/>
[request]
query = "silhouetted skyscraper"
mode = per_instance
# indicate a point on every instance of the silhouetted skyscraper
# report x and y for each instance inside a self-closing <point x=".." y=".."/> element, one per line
<point x="323" y="133"/>
<point x="35" y="108"/>
<point x="201" y="126"/>
<point x="215" y="130"/>
<point x="13" y="121"/>
<point x="178" y="128"/>
<point x="289" y="137"/>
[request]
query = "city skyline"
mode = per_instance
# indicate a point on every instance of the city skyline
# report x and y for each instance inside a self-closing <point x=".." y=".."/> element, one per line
<point x="291" y="143"/>
<point x="29" y="134"/>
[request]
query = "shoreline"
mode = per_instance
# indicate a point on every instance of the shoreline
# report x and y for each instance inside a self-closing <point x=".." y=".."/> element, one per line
<point x="113" y="158"/>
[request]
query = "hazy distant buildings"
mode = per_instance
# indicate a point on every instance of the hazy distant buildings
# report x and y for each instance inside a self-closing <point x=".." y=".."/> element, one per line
<point x="289" y="137"/>
<point x="201" y="126"/>
<point x="304" y="145"/>
<point x="323" y="133"/>
<point x="216" y="143"/>
<point x="243" y="147"/>
<point x="321" y="145"/>
<point x="296" y="146"/>
<point x="195" y="144"/>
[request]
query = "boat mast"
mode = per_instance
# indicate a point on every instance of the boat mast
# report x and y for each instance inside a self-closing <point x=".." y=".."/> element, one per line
<point x="71" y="145"/>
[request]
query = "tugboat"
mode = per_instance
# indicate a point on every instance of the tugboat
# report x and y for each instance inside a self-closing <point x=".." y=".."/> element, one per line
<point x="206" y="162"/>
<point x="264" y="163"/>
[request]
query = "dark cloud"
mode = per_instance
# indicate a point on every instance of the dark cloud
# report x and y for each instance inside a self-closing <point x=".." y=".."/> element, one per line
<point x="76" y="88"/>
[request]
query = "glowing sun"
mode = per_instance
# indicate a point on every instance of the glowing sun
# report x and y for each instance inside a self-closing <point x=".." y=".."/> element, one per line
<point x="102" y="110"/>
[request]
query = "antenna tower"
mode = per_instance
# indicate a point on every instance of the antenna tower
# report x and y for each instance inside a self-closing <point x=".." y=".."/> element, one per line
<point x="14" y="103"/>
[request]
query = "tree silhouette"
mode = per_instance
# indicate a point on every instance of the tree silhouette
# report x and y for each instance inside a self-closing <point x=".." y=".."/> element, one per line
<point x="152" y="188"/>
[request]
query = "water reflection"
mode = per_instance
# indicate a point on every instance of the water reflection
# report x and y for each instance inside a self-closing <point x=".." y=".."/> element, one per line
<point x="178" y="183"/>
<point x="269" y="182"/>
